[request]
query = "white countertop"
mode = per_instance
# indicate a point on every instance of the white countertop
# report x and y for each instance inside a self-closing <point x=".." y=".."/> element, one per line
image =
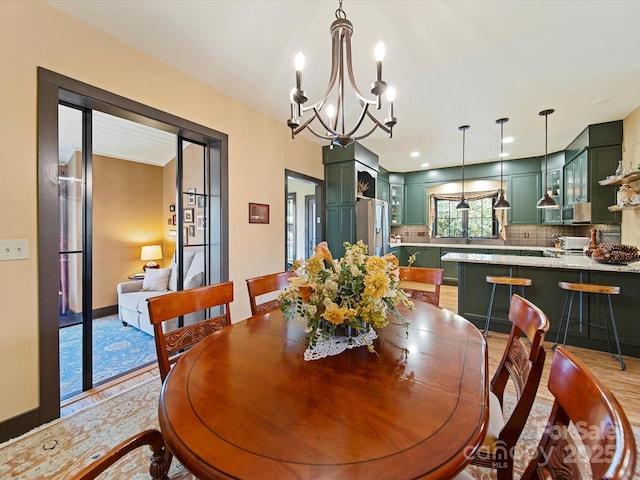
<point x="571" y="262"/>
<point x="474" y="246"/>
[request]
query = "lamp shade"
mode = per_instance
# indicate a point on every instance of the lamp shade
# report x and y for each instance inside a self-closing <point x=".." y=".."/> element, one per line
<point x="151" y="253"/>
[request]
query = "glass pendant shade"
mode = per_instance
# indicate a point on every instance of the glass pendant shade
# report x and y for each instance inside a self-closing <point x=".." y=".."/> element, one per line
<point x="546" y="201"/>
<point x="501" y="202"/>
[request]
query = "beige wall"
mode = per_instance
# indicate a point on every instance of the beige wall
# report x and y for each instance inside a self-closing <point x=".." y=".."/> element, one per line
<point x="631" y="157"/>
<point x="34" y="34"/>
<point x="127" y="214"/>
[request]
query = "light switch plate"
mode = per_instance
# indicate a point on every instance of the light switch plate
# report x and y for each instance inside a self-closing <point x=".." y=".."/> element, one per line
<point x="14" y="249"/>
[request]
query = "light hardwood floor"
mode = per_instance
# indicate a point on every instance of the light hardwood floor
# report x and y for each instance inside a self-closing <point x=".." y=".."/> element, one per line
<point x="624" y="385"/>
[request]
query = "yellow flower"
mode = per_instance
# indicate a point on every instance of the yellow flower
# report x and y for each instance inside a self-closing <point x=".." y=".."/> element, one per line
<point x="376" y="284"/>
<point x="375" y="264"/>
<point x="314" y="265"/>
<point x="337" y="315"/>
<point x="296" y="264"/>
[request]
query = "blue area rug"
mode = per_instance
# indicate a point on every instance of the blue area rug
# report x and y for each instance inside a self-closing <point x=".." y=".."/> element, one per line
<point x="116" y="349"/>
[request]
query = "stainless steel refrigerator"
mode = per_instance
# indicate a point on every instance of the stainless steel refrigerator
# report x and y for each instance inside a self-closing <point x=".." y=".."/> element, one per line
<point x="372" y="225"/>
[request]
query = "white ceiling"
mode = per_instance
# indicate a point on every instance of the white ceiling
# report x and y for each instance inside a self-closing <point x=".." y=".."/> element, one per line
<point x="451" y="62"/>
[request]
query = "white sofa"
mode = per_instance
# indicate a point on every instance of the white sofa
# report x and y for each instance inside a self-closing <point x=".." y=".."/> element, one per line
<point x="132" y="296"/>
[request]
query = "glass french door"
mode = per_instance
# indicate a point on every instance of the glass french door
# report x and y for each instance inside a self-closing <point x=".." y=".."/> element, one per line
<point x="95" y="343"/>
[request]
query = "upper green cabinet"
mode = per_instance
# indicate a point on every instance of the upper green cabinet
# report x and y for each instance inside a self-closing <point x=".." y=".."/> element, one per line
<point x="396" y="199"/>
<point x="592" y="156"/>
<point x="524" y="192"/>
<point x="415" y="204"/>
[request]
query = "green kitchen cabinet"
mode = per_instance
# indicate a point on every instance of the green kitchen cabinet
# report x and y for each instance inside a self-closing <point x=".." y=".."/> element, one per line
<point x="342" y="227"/>
<point x="591" y="157"/>
<point x="396" y="196"/>
<point x="415" y="204"/>
<point x="552" y="216"/>
<point x="524" y="192"/>
<point x="451" y="268"/>
<point x="426" y="257"/>
<point x="382" y="190"/>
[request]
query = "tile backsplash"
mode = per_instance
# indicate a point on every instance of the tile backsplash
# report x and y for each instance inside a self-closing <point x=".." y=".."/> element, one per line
<point x="528" y="235"/>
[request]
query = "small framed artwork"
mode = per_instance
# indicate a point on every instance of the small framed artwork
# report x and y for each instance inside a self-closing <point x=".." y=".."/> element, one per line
<point x="192" y="230"/>
<point x="173" y="220"/>
<point x="188" y="215"/>
<point x="258" y="213"/>
<point x="169" y="221"/>
<point x="172" y="234"/>
<point x="201" y="201"/>
<point x="185" y="236"/>
<point x="191" y="199"/>
<point x="172" y="208"/>
<point x="200" y="222"/>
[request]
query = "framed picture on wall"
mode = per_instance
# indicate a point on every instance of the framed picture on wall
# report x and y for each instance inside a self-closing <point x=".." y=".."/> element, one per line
<point x="258" y="213"/>
<point x="188" y="215"/>
<point x="191" y="199"/>
<point x="172" y="234"/>
<point x="200" y="222"/>
<point x="201" y="201"/>
<point x="172" y="208"/>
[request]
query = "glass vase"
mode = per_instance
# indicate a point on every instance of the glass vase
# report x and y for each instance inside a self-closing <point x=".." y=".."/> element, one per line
<point x="620" y="171"/>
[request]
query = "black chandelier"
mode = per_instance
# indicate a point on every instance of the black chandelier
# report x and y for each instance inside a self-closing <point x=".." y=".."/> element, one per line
<point x="331" y="119"/>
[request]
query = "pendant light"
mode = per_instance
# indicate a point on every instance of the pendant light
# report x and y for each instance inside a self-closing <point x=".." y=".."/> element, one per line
<point x="463" y="205"/>
<point x="546" y="201"/>
<point x="501" y="203"/>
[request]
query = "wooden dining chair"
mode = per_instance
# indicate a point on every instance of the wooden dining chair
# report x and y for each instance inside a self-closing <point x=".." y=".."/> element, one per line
<point x="171" y="344"/>
<point x="600" y="425"/>
<point x="522" y="363"/>
<point x="265" y="284"/>
<point x="160" y="458"/>
<point x="422" y="284"/>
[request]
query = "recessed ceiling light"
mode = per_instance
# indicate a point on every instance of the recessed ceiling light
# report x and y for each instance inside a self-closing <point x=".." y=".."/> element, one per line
<point x="415" y="154"/>
<point x="504" y="154"/>
<point x="424" y="165"/>
<point x="507" y="140"/>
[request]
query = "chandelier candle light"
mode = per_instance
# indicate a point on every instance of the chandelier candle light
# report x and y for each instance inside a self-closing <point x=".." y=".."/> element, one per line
<point x="463" y="205"/>
<point x="501" y="202"/>
<point x="332" y="118"/>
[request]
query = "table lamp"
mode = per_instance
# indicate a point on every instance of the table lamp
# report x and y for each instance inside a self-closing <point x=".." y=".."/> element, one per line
<point x="151" y="253"/>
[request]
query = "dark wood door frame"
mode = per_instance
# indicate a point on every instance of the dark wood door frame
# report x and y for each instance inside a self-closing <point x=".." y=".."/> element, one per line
<point x="54" y="88"/>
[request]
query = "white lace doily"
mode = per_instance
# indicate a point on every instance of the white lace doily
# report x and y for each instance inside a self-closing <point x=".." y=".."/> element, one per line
<point x="336" y="344"/>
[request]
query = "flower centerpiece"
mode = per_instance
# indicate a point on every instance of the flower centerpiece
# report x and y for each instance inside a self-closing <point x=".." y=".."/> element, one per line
<point x="358" y="291"/>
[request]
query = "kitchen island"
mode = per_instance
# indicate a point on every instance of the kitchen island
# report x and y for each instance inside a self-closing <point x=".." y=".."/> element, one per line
<point x="429" y="254"/>
<point x="546" y="272"/>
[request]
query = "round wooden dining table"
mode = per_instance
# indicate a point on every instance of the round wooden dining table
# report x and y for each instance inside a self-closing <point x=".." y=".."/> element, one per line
<point x="245" y="404"/>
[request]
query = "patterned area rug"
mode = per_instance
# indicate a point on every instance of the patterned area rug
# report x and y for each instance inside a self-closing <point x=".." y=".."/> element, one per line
<point x="116" y="349"/>
<point x="59" y="449"/>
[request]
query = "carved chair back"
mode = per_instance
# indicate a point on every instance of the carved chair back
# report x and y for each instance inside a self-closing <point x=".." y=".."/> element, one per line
<point x="523" y="363"/>
<point x="599" y="423"/>
<point x="171" y="344"/>
<point x="258" y="286"/>
<point x="422" y="284"/>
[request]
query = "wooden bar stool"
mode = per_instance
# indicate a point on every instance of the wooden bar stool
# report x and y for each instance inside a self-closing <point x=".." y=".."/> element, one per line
<point x="607" y="290"/>
<point x="516" y="282"/>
